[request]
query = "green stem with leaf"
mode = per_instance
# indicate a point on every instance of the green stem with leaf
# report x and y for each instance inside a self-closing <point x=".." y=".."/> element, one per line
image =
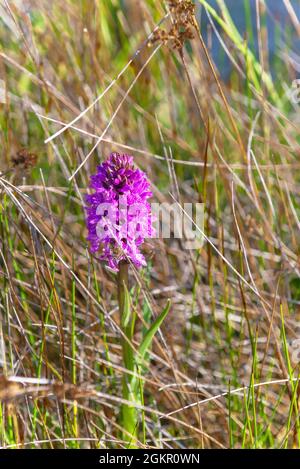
<point x="134" y="363"/>
<point x="128" y="412"/>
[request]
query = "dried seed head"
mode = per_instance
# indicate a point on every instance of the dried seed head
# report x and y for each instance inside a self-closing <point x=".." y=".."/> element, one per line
<point x="183" y="23"/>
<point x="24" y="159"/>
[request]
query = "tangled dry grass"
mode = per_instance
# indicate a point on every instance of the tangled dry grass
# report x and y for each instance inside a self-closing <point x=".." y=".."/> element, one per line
<point x="95" y="77"/>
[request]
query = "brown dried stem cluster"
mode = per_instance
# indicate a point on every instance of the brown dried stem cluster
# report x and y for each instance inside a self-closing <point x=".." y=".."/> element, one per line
<point x="182" y="26"/>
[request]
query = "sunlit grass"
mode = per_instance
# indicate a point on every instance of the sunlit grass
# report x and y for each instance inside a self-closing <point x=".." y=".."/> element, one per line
<point x="223" y="369"/>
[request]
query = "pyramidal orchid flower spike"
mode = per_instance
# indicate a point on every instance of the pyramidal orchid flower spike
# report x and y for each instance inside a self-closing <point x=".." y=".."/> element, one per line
<point x="119" y="219"/>
<point x="118" y="212"/>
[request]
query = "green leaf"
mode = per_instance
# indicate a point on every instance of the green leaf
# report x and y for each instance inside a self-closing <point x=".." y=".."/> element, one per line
<point x="152" y="331"/>
<point x="126" y="308"/>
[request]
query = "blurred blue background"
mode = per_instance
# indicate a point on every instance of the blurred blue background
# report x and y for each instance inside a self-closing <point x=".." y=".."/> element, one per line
<point x="282" y="36"/>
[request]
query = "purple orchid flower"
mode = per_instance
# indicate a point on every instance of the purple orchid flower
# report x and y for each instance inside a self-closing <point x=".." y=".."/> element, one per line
<point x="118" y="213"/>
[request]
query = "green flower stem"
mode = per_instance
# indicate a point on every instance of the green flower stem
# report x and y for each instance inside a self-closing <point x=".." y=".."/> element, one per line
<point x="129" y="416"/>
